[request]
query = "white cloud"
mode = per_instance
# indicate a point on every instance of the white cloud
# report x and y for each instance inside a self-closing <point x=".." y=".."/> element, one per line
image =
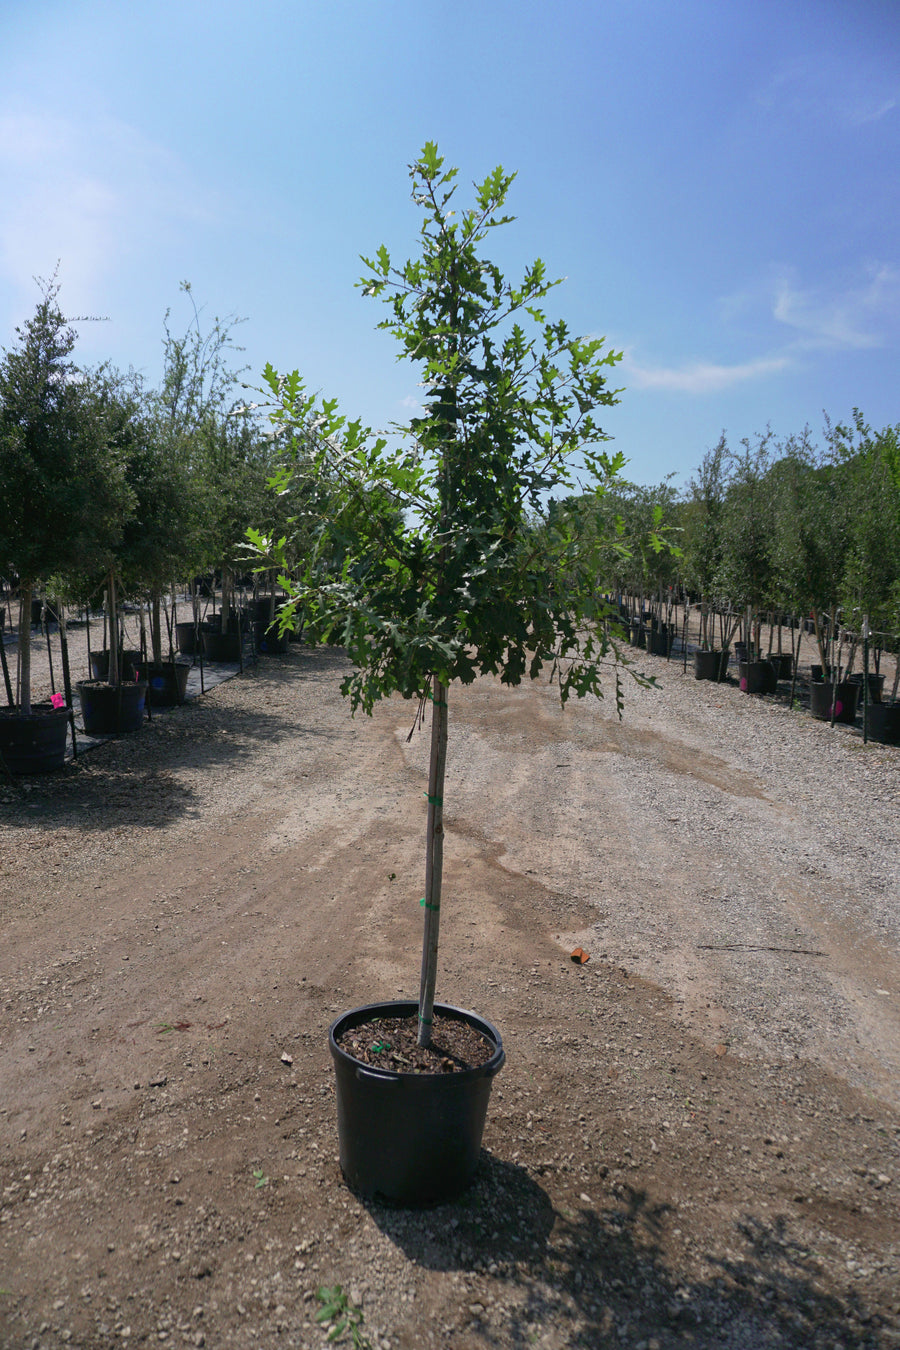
<point x="700" y="377"/>
<point x="87" y="194"/>
<point x="865" y="112"/>
<point x="848" y="92"/>
<point x="851" y="319"/>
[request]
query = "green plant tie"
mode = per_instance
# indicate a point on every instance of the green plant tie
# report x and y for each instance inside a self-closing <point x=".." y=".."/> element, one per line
<point x="427" y="1020"/>
<point x="438" y="702"/>
<point x="425" y="905"/>
<point x="434" y="801"/>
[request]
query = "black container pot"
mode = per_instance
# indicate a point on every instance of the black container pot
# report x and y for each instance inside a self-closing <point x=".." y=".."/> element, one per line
<point x="129" y="663"/>
<point x="221" y="646"/>
<point x="407" y="1138"/>
<point x="35" y="743"/>
<point x="876" y="685"/>
<point x="784" y="665"/>
<point x="108" y="709"/>
<point x="845" y="697"/>
<point x="269" y="641"/>
<point x="819" y="673"/>
<point x="657" y="640"/>
<point x="263" y="611"/>
<point x="167" y="683"/>
<point x="757" y="677"/>
<point x="638" y="635"/>
<point x="884" y="723"/>
<point x="186" y="638"/>
<point x="710" y="665"/>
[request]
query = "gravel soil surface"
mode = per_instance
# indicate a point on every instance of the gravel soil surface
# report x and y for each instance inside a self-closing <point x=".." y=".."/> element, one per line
<point x="695" y="1140"/>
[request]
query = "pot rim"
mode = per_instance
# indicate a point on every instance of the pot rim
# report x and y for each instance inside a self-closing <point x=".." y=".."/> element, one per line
<point x="105" y="684"/>
<point x="406" y="1007"/>
<point x="38" y="710"/>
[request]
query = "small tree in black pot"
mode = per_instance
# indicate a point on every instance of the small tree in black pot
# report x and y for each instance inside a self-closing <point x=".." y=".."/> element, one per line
<point x="62" y="492"/>
<point x="428" y="568"/>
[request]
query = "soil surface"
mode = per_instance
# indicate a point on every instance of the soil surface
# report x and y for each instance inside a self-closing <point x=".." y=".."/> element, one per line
<point x="392" y="1043"/>
<point x="695" y="1140"/>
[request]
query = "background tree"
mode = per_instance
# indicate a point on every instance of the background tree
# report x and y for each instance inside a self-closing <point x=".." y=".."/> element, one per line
<point x="810" y="533"/>
<point x="62" y="482"/>
<point x="702" y="540"/>
<point x="871" y="577"/>
<point x="745" y="576"/>
<point x="193" y="426"/>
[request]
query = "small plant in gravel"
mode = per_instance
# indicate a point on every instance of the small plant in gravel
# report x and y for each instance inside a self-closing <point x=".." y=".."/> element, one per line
<point x="341" y="1317"/>
<point x="260" y="1178"/>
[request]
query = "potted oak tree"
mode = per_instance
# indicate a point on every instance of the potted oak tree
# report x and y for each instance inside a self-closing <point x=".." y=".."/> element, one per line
<point x="428" y="567"/>
<point x="61" y="496"/>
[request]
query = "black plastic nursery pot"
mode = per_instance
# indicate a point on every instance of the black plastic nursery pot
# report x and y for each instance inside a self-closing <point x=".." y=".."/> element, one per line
<point x="758" y="677"/>
<point x="108" y="709"/>
<point x="884" y="723"/>
<point x="34" y="742"/>
<point x="843" y="696"/>
<point x="263" y="608"/>
<point x="129" y="662"/>
<point x="710" y="665"/>
<point x="784" y="665"/>
<point x="186" y="638"/>
<point x="405" y="1138"/>
<point x="167" y="683"/>
<point x="269" y="641"/>
<point x="875" y="683"/>
<point x="222" y="646"/>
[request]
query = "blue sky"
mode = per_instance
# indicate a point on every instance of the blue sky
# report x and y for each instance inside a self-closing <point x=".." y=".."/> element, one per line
<point x="718" y="182"/>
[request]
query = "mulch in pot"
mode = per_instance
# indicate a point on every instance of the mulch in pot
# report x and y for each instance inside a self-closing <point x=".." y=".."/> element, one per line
<point x="390" y="1043"/>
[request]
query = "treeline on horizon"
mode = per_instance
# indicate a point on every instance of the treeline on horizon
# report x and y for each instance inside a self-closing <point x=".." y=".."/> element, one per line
<point x="770" y="526"/>
<point x="160" y="483"/>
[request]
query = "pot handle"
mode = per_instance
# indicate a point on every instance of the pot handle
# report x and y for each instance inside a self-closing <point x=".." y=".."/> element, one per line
<point x="362" y="1074"/>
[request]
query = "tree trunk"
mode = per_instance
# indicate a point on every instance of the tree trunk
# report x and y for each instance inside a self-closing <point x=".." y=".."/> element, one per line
<point x="26" y="592"/>
<point x="226" y="597"/>
<point x="113" y="673"/>
<point x="434" y="861"/>
<point x="820" y="641"/>
<point x="156" y="628"/>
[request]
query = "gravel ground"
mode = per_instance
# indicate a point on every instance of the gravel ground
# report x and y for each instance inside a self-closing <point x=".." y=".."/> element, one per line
<point x="694" y="1141"/>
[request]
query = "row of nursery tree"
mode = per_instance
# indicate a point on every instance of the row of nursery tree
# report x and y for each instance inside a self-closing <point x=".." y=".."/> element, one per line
<point x="112" y="489"/>
<point x="771" y="527"/>
<point x="109" y="486"/>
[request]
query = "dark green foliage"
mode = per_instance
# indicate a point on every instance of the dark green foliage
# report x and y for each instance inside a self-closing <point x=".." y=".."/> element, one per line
<point x="745" y="572"/>
<point x="62" y="488"/>
<point x="445" y="555"/>
<point x="442" y="573"/>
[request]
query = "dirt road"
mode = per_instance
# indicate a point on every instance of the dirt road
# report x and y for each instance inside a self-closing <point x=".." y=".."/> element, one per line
<point x="695" y="1139"/>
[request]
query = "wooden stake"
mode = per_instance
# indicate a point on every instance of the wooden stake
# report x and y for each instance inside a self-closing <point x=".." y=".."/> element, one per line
<point x="434" y="860"/>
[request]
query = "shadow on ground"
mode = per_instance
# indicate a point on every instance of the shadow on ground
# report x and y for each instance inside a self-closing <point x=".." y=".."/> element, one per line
<point x="603" y="1273"/>
<point x="133" y="779"/>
